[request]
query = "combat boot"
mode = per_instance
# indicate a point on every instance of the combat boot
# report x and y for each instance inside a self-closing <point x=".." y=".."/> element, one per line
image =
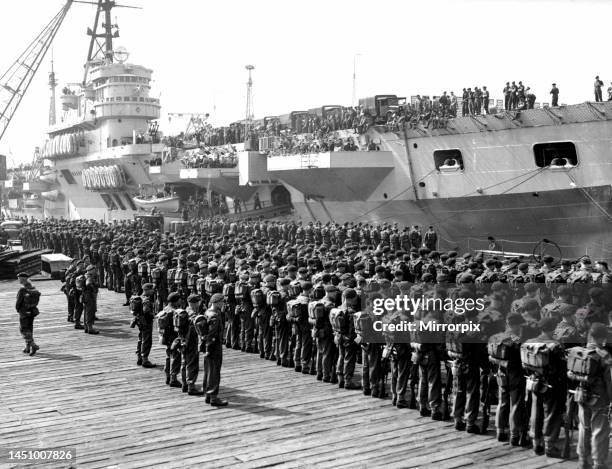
<point x="26" y="349"/>
<point x="93" y="331"/>
<point x="147" y="364"/>
<point x="298" y="369"/>
<point x="139" y="361"/>
<point x="502" y="436"/>
<point x="218" y="402"/>
<point x="33" y="349"/>
<point x="175" y="384"/>
<point x="194" y="391"/>
<point x="551" y="451"/>
<point x="350" y="385"/>
<point x="341" y="383"/>
<point x="78" y="326"/>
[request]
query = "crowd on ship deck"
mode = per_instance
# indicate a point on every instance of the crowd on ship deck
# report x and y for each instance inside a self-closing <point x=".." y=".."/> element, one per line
<point x="321" y="127"/>
<point x="210" y="157"/>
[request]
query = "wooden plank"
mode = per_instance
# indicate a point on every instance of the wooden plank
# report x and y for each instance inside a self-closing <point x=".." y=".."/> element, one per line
<point x="86" y="391"/>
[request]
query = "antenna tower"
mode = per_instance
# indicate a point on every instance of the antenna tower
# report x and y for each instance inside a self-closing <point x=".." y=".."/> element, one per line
<point x="249" y="104"/>
<point x="52" y="85"/>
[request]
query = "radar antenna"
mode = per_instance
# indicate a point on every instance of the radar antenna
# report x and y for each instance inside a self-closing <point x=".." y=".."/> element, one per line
<point x="16" y="80"/>
<point x="101" y="43"/>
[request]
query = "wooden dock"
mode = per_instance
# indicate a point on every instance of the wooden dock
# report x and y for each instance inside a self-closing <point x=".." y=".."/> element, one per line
<point x="86" y="392"/>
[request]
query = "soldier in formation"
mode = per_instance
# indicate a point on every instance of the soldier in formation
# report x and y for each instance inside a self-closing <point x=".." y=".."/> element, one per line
<point x="302" y="296"/>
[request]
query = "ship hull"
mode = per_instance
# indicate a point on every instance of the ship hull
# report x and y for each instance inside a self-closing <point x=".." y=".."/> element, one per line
<point x="517" y="221"/>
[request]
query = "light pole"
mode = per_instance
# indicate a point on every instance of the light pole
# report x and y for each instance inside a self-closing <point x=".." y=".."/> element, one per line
<point x="354" y="100"/>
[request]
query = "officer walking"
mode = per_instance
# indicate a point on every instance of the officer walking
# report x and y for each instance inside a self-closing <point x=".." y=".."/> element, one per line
<point x="27" y="307"/>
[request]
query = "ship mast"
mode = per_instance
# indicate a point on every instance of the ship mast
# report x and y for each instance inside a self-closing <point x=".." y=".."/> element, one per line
<point x="249" y="104"/>
<point x="52" y="85"/>
<point x="101" y="43"/>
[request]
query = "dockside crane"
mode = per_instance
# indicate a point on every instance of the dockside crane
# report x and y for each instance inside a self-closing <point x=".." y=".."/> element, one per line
<point x="15" y="81"/>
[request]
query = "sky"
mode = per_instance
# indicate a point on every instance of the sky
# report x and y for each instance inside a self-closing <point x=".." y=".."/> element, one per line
<point x="303" y="52"/>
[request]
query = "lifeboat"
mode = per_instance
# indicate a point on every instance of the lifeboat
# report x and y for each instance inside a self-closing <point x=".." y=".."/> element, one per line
<point x="104" y="177"/>
<point x="163" y="204"/>
<point x="51" y="195"/>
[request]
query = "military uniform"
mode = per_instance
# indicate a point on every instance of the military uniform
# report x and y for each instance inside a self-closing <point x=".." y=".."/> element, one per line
<point x="168" y="336"/>
<point x="594" y="429"/>
<point x="145" y="326"/>
<point x="548" y="401"/>
<point x="26" y="306"/>
<point x="190" y="352"/>
<point x="302" y="356"/>
<point x="510" y="415"/>
<point x="213" y="352"/>
<point x="347" y="348"/>
<point x="90" y="303"/>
